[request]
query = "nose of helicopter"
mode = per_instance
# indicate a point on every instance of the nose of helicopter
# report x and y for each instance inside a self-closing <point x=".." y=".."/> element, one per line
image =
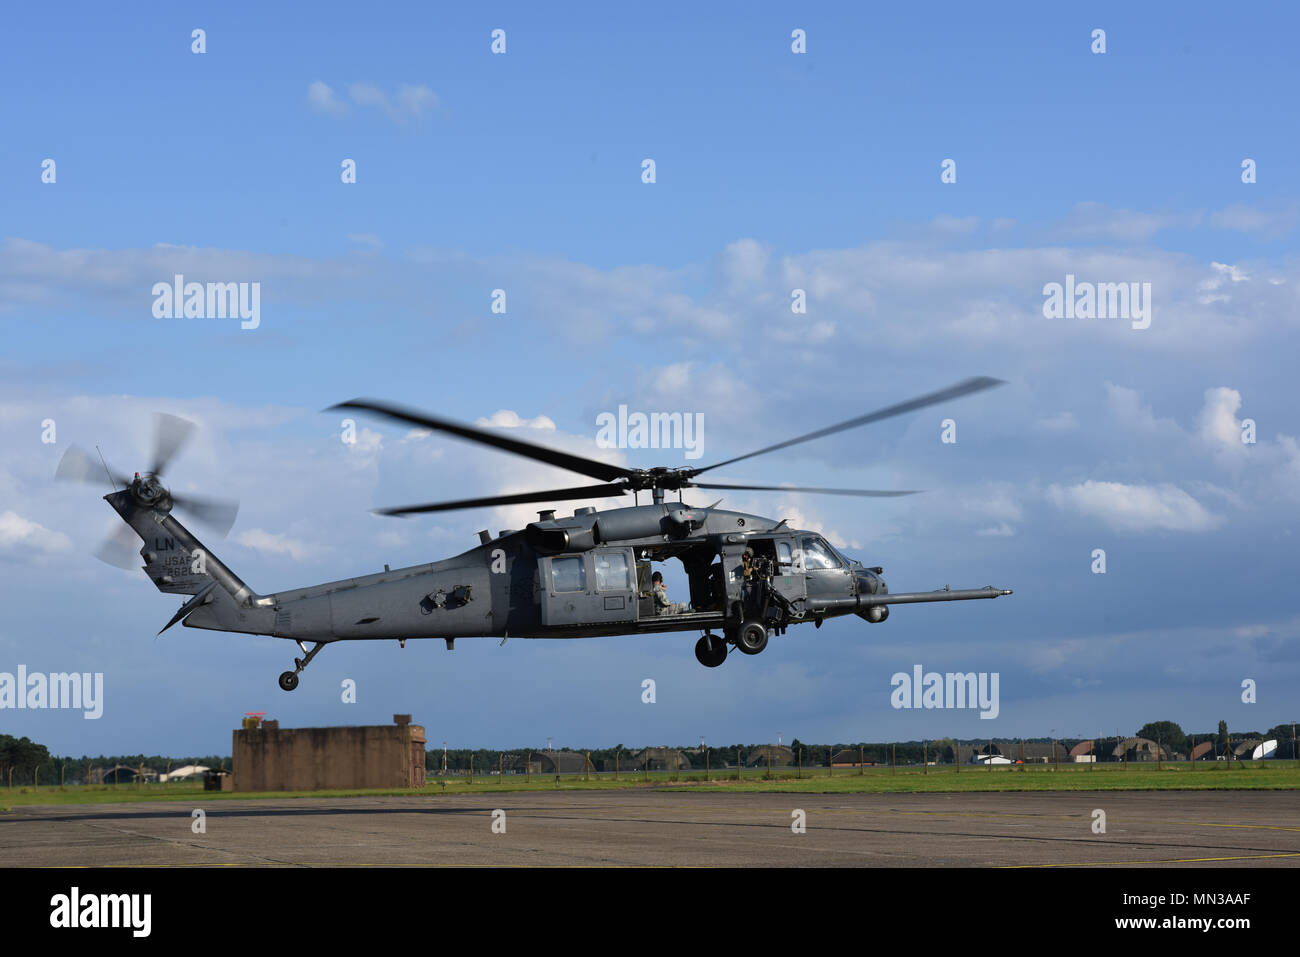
<point x="869" y="582"/>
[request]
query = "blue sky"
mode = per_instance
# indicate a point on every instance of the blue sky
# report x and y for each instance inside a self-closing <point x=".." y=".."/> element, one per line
<point x="774" y="171"/>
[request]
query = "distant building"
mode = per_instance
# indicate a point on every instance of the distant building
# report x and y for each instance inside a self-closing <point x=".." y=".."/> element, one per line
<point x="1082" y="753"/>
<point x="1243" y="749"/>
<point x="1031" y="752"/>
<point x="1203" y="751"/>
<point x="267" y="758"/>
<point x="120" y="774"/>
<point x="850" y="758"/>
<point x="184" y="773"/>
<point x="1139" y="749"/>
<point x="558" y="762"/>
<point x="659" y="759"/>
<point x="781" y="756"/>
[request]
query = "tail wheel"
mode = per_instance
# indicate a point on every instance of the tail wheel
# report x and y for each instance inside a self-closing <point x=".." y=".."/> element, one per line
<point x="752" y="637"/>
<point x="288" y="681"/>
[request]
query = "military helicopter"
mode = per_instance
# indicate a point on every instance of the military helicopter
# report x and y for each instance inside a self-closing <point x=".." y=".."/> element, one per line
<point x="578" y="576"/>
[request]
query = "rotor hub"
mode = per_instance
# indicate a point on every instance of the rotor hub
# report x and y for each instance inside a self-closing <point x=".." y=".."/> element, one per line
<point x="149" y="492"/>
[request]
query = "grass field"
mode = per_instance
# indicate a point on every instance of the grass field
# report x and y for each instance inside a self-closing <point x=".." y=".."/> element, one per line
<point x="1271" y="775"/>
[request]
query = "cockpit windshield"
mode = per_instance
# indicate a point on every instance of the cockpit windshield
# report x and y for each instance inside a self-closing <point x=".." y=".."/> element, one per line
<point x="817" y="554"/>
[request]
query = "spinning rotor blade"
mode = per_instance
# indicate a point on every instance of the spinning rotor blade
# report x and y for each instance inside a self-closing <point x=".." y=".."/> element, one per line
<point x="217" y="514"/>
<point x="565" y="460"/>
<point x="170" y="432"/>
<point x="965" y="387"/>
<point x="868" y="493"/>
<point x="78" y="465"/>
<point x="554" y="495"/>
<point x="121" y="549"/>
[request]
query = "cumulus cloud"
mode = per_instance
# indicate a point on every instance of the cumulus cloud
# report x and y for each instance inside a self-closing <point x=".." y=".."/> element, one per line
<point x="1127" y="406"/>
<point x="1136" y="508"/>
<point x="1268" y="223"/>
<point x="1097" y="221"/>
<point x="409" y="102"/>
<point x="1218" y="424"/>
<point x="274" y="544"/>
<point x="1060" y="422"/>
<point x="1210" y="289"/>
<point x="20" y="535"/>
<point x="366" y="443"/>
<point x="321" y="98"/>
<point x="744" y="266"/>
<point x="510" y="419"/>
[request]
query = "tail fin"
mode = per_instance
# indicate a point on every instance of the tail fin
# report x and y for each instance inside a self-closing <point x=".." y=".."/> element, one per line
<point x="174" y="559"/>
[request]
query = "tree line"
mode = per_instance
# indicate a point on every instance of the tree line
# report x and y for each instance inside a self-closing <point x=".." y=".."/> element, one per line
<point x="29" y="762"/>
<point x="24" y="760"/>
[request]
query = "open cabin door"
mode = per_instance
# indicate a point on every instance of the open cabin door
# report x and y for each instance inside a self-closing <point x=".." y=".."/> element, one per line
<point x="594" y="587"/>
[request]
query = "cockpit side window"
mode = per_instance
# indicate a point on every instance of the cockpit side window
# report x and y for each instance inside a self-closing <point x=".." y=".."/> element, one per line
<point x="817" y="554"/>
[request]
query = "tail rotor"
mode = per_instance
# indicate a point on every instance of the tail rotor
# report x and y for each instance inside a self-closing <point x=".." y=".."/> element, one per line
<point x="171" y="433"/>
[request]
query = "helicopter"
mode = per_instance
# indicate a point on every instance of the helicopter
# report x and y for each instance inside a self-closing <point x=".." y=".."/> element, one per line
<point x="582" y="575"/>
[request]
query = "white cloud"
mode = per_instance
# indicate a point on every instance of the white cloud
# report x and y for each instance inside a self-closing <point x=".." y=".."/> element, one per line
<point x="1267" y="223"/>
<point x="1061" y="422"/>
<point x="273" y="544"/>
<point x="955" y="225"/>
<point x="410" y="102"/>
<point x="321" y="98"/>
<point x="1126" y="405"/>
<point x="1136" y="508"/>
<point x="509" y="419"/>
<point x="744" y="266"/>
<point x="1098" y="221"/>
<point x="1219" y="425"/>
<point x="367" y="443"/>
<point x="19" y="534"/>
<point x="1222" y="272"/>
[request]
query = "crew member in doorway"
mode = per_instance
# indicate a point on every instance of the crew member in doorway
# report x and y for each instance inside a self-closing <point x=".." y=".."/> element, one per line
<point x="662" y="605"/>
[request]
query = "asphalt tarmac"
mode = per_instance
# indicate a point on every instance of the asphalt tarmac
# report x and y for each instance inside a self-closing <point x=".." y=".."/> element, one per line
<point x="669" y="828"/>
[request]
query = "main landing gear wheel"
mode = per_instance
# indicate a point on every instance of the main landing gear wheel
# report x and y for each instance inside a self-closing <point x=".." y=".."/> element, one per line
<point x="752" y="637"/>
<point x="288" y="681"/>
<point x="711" y="651"/>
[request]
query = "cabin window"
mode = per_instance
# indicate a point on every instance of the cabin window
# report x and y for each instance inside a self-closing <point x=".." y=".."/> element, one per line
<point x="817" y="554"/>
<point x="784" y="558"/>
<point x="568" y="574"/>
<point x="612" y="573"/>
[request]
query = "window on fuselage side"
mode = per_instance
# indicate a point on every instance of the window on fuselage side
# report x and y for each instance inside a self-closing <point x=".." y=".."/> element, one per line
<point x="568" y="574"/>
<point x="612" y="572"/>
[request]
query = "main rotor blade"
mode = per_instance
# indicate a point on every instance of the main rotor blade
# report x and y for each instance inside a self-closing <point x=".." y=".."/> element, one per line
<point x="554" y="495"/>
<point x="564" y="460"/>
<point x="217" y="514"/>
<point x="868" y="493"/>
<point x="170" y="432"/>
<point x="965" y="387"/>
<point x="78" y="465"/>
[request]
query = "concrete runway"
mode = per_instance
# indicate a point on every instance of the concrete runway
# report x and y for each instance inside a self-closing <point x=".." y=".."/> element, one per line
<point x="666" y="828"/>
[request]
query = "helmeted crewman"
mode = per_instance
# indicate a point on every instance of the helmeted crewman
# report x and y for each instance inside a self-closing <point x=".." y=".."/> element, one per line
<point x="662" y="605"/>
